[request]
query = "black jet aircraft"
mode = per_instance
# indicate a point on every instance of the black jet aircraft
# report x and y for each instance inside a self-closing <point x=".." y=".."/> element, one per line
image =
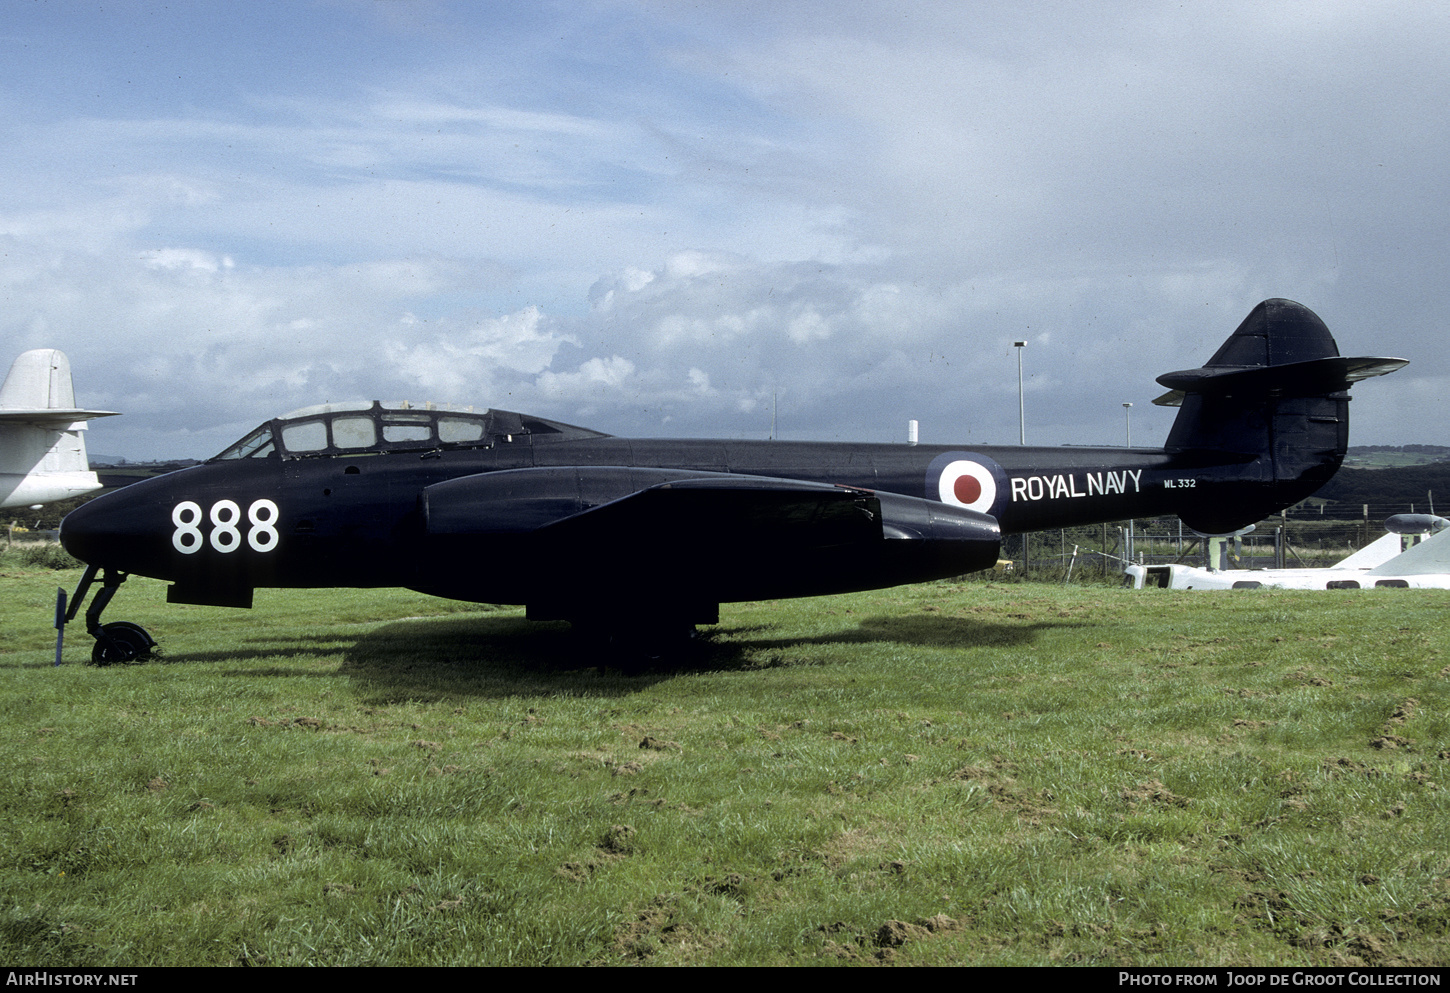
<point x="499" y="507"/>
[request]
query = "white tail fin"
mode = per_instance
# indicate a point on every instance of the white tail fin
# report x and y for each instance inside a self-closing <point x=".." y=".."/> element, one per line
<point x="1376" y="553"/>
<point x="42" y="453"/>
<point x="1429" y="558"/>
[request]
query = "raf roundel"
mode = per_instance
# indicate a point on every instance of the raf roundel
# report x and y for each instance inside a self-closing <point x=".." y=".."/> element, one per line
<point x="968" y="484"/>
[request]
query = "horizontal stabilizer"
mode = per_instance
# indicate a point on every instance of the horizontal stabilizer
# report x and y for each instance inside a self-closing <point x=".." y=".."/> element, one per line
<point x="1313" y="378"/>
<point x="53" y="416"/>
<point x="1282" y="349"/>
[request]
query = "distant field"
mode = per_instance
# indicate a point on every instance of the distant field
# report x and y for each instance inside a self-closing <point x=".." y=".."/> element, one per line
<point x="940" y="774"/>
<point x="1390" y="456"/>
<point x="1390" y="460"/>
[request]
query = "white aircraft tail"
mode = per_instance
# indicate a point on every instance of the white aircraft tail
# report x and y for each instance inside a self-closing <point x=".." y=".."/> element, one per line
<point x="42" y="452"/>
<point x="1383" y="549"/>
<point x="1429" y="558"/>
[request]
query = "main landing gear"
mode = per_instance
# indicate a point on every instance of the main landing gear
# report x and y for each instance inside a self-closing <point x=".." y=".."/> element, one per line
<point x="119" y="641"/>
<point x="635" y="647"/>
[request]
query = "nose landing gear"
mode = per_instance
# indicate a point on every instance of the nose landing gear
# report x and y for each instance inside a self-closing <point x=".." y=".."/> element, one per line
<point x="119" y="641"/>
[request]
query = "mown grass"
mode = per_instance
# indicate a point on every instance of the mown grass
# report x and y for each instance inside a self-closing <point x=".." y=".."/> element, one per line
<point x="1021" y="774"/>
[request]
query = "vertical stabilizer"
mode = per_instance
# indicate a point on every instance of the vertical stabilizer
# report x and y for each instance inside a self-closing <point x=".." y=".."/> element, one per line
<point x="1276" y="332"/>
<point x="39" y="380"/>
<point x="42" y="451"/>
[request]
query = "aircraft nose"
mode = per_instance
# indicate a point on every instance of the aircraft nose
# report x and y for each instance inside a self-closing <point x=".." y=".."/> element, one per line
<point x="157" y="528"/>
<point x="117" y="530"/>
<point x="81" y="529"/>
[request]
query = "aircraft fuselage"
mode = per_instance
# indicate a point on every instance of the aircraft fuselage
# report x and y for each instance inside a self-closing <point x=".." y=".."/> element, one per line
<point x="220" y="529"/>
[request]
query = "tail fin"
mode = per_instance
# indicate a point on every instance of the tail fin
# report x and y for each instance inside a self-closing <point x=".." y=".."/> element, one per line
<point x="1276" y="393"/>
<point x="42" y="453"/>
<point x="1430" y="557"/>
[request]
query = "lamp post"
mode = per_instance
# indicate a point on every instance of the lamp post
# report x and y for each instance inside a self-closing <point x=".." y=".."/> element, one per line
<point x="1021" y="410"/>
<point x="1128" y="427"/>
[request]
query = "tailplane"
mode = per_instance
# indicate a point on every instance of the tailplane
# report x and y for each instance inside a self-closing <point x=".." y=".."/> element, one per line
<point x="42" y="452"/>
<point x="1277" y="394"/>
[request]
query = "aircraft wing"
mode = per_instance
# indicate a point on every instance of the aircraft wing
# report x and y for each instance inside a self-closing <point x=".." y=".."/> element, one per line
<point x="600" y="502"/>
<point x="591" y="505"/>
<point x="723" y="512"/>
<point x="602" y="532"/>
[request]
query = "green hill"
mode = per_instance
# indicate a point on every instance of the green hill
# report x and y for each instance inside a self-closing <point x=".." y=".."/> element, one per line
<point x="1388" y="491"/>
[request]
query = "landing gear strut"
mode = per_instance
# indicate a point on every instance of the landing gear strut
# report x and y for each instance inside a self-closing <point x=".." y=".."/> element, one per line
<point x="119" y="641"/>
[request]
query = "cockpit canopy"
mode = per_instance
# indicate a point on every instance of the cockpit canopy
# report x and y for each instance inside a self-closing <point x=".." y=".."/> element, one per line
<point x="336" y="429"/>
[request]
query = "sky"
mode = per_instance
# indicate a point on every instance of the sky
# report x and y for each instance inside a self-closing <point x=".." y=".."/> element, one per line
<point x="676" y="219"/>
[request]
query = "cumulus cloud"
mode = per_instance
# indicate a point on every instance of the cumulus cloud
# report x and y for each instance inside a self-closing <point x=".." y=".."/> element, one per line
<point x="594" y="380"/>
<point x="478" y="361"/>
<point x="700" y="381"/>
<point x="185" y="258"/>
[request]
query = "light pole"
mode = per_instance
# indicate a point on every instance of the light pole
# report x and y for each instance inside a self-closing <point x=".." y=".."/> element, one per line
<point x="1128" y="426"/>
<point x="1021" y="410"/>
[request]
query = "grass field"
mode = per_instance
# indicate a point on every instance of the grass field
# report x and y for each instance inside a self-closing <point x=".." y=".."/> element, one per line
<point x="949" y="773"/>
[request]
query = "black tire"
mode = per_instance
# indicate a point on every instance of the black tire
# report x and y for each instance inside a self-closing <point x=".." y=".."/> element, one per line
<point x="122" y="642"/>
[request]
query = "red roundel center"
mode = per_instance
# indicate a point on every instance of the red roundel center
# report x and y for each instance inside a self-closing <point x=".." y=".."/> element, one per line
<point x="968" y="489"/>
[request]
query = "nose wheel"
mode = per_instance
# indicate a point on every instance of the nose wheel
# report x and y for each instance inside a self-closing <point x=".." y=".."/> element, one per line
<point x="119" y="641"/>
